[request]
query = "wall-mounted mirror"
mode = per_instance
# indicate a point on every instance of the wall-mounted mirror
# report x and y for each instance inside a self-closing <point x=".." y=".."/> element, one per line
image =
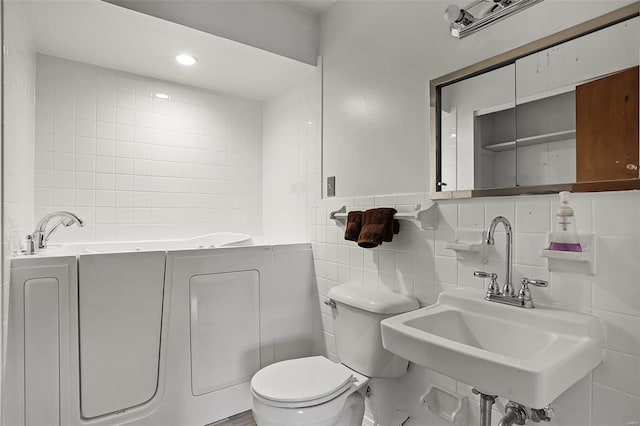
<point x="560" y="113"/>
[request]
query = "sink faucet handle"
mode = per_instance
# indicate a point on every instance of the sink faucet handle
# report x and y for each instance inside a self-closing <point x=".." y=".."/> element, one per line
<point x="537" y="283"/>
<point x="482" y="274"/>
<point x="525" y="294"/>
<point x="494" y="288"/>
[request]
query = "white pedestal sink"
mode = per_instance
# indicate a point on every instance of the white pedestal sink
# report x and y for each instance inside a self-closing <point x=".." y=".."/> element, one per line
<point x="530" y="356"/>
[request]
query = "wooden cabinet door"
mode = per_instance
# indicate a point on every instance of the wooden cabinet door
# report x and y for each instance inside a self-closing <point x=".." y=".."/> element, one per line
<point x="607" y="128"/>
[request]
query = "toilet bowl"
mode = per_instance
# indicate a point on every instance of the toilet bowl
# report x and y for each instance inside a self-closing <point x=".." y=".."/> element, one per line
<point x="315" y="391"/>
<point x="311" y="391"/>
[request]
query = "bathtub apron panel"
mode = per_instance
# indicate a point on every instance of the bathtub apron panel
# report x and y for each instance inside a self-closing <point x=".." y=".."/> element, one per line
<point x="41" y="351"/>
<point x="223" y="390"/>
<point x="225" y="329"/>
<point x="37" y="337"/>
<point x="120" y="318"/>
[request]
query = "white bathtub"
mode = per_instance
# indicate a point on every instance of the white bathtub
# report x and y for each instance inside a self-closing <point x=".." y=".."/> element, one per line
<point x="215" y="240"/>
<point x="152" y="332"/>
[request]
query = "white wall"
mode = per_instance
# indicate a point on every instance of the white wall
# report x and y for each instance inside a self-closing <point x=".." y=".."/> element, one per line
<point x="19" y="86"/>
<point x="291" y="158"/>
<point x="138" y="167"/>
<point x="2" y="241"/>
<point x="378" y="58"/>
<point x="17" y="142"/>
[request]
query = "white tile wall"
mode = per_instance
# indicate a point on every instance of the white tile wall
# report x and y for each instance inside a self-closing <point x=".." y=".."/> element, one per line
<point x="138" y="167"/>
<point x="416" y="263"/>
<point x="18" y="92"/>
<point x="19" y="86"/>
<point x="292" y="157"/>
<point x="2" y="256"/>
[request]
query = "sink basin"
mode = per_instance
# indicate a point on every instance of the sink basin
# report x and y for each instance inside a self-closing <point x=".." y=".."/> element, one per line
<point x="530" y="356"/>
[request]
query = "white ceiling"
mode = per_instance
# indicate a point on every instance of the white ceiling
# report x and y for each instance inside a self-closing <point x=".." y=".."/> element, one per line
<point x="270" y="25"/>
<point x="316" y="7"/>
<point x="103" y="34"/>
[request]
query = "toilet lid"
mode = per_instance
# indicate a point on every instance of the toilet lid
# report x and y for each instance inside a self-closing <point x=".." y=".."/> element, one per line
<point x="300" y="380"/>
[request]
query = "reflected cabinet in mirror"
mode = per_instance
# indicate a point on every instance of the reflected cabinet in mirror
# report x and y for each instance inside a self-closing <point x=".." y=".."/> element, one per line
<point x="557" y="114"/>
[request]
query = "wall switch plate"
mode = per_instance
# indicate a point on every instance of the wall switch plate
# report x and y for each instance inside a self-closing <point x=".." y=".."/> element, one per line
<point x="331" y="186"/>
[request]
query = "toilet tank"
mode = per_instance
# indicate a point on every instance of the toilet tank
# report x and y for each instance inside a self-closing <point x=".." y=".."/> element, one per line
<point x="357" y="317"/>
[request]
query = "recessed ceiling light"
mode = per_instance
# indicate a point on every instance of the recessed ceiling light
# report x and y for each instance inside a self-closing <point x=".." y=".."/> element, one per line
<point x="185" y="59"/>
<point x="162" y="96"/>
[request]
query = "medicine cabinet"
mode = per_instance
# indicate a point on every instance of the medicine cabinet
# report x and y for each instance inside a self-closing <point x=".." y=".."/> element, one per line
<point x="557" y="114"/>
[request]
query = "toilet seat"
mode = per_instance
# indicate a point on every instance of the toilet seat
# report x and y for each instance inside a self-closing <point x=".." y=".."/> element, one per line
<point x="303" y="382"/>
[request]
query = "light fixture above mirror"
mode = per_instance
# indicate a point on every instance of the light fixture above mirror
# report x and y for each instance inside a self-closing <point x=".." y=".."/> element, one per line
<point x="481" y="13"/>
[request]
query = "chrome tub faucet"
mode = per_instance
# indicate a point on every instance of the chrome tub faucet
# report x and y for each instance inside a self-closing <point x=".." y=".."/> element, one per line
<point x="38" y="240"/>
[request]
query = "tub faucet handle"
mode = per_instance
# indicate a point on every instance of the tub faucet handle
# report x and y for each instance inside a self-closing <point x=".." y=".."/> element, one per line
<point x="330" y="303"/>
<point x="32" y="245"/>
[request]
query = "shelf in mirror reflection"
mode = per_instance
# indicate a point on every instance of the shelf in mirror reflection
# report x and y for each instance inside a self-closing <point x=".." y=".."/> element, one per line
<point x="494" y="109"/>
<point x="533" y="140"/>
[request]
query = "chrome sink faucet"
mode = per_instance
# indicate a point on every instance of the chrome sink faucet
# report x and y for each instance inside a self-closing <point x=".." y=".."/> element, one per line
<point x="38" y="240"/>
<point x="507" y="289"/>
<point x="507" y="294"/>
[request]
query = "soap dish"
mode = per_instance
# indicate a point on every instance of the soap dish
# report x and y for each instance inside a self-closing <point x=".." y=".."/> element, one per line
<point x="464" y="248"/>
<point x="447" y="404"/>
<point x="571" y="261"/>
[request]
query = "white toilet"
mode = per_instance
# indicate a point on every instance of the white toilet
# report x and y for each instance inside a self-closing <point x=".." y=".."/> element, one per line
<point x="315" y="391"/>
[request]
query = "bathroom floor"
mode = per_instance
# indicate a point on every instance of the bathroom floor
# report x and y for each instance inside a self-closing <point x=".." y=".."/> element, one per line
<point x="242" y="419"/>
